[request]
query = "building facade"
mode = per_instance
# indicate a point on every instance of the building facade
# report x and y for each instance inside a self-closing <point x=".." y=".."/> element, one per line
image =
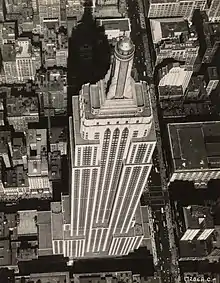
<point x="174" y="8"/>
<point x="195" y="151"/>
<point x="214" y="11"/>
<point x="112" y="140"/>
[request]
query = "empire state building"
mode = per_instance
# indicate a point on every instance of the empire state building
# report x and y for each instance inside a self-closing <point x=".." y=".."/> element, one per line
<point x="112" y="139"/>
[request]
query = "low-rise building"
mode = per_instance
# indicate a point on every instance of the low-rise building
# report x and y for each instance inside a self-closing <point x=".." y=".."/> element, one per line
<point x="167" y="28"/>
<point x="211" y="79"/>
<point x="9" y="63"/>
<point x="173" y="38"/>
<point x="61" y="277"/>
<point x="27" y="61"/>
<point x="52" y="91"/>
<point x="195" y="151"/>
<point x="22" y="108"/>
<point x="174" y="83"/>
<point x="212" y="40"/>
<point x="116" y="27"/>
<point x="24" y="165"/>
<point x="197" y="241"/>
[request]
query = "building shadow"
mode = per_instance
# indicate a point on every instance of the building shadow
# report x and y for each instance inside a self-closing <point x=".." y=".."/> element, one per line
<point x="89" y="53"/>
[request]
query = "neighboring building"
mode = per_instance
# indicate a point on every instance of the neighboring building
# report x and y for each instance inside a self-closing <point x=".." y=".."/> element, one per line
<point x="61" y="277"/>
<point x="212" y="40"/>
<point x="106" y="11"/>
<point x="174" y="83"/>
<point x="174" y="39"/>
<point x="105" y="3"/>
<point x="24" y="165"/>
<point x="214" y="11"/>
<point x="27" y="62"/>
<point x="52" y="91"/>
<point x="167" y="28"/>
<point x="174" y="8"/>
<point x="9" y="32"/>
<point x="74" y="8"/>
<point x="50" y="30"/>
<point x="9" y="63"/>
<point x="37" y="162"/>
<point x="212" y="79"/>
<point x="180" y="104"/>
<point x="116" y="27"/>
<point x="195" y="151"/>
<point x="21" y="110"/>
<point x="54" y="44"/>
<point x="48" y="10"/>
<point x="62" y="49"/>
<point x="58" y="140"/>
<point x="197" y="241"/>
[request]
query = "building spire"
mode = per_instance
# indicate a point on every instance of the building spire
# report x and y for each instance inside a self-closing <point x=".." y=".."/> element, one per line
<point x="121" y="70"/>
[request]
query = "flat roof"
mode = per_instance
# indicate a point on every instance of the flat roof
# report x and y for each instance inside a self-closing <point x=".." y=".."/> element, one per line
<point x="122" y="24"/>
<point x="162" y="28"/>
<point x="8" y="52"/>
<point x="197" y="217"/>
<point x="27" y="224"/>
<point x="44" y="226"/>
<point x="177" y="76"/>
<point x="195" y="145"/>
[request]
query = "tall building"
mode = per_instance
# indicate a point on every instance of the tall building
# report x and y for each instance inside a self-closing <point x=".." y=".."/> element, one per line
<point x="112" y="139"/>
<point x="174" y="8"/>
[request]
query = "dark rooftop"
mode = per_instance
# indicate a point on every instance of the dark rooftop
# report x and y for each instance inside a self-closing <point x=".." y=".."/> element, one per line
<point x="8" y="52"/>
<point x="195" y="145"/>
<point x="19" y="105"/>
<point x="198" y="217"/>
<point x="112" y="24"/>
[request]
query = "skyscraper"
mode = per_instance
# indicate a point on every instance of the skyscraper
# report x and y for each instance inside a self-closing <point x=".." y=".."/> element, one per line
<point x="112" y="139"/>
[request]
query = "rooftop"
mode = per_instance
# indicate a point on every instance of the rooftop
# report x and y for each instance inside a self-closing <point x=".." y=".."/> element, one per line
<point x="21" y="106"/>
<point x="177" y="76"/>
<point x="16" y="177"/>
<point x="57" y="220"/>
<point x="27" y="222"/>
<point x="24" y="47"/>
<point x="8" y="52"/>
<point x="195" y="145"/>
<point x="58" y="134"/>
<point x="60" y="277"/>
<point x="122" y="24"/>
<point x="163" y="28"/>
<point x="8" y="30"/>
<point x="194" y="249"/>
<point x="44" y="228"/>
<point x="198" y="217"/>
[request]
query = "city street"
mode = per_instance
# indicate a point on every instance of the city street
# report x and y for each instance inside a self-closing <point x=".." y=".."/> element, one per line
<point x="165" y="258"/>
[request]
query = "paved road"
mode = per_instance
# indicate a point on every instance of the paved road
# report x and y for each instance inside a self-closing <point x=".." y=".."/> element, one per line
<point x="137" y="37"/>
<point x="157" y="198"/>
